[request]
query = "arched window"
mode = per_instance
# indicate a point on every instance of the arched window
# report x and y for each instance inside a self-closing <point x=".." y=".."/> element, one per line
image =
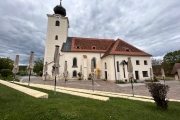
<point x="94" y="61"/>
<point x="105" y="65"/>
<point x="56" y="37"/>
<point x="74" y="73"/>
<point x="74" y="62"/>
<point x="57" y="23"/>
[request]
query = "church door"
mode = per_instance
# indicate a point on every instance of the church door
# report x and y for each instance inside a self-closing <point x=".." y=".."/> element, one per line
<point x="106" y="75"/>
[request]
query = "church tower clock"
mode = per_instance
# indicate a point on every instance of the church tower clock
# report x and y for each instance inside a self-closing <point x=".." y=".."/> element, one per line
<point x="57" y="32"/>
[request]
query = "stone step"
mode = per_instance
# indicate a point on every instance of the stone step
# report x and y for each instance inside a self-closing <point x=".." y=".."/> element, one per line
<point x="31" y="92"/>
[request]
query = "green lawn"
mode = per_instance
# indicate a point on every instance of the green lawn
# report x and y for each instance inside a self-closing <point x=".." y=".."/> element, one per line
<point x="15" y="105"/>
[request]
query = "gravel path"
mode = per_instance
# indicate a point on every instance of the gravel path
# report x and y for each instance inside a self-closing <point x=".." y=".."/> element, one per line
<point x="101" y="85"/>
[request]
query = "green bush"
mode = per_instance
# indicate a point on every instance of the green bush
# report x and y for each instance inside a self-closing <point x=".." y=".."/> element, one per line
<point x="6" y="72"/>
<point x="135" y="81"/>
<point x="40" y="73"/>
<point x="159" y="93"/>
<point x="120" y="82"/>
<point x="79" y="75"/>
<point x="155" y="79"/>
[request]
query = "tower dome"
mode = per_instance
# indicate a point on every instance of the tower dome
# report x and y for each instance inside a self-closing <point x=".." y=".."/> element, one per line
<point x="59" y="9"/>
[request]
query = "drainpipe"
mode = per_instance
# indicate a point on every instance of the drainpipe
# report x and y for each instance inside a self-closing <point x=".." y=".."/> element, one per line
<point x="115" y="68"/>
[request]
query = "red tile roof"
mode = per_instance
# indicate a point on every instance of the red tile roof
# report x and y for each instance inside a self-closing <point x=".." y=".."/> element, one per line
<point x="90" y="44"/>
<point x="121" y="47"/>
<point x="175" y="68"/>
<point x="107" y="46"/>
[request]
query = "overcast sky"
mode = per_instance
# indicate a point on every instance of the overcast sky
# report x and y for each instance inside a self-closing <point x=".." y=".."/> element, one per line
<point x="151" y="25"/>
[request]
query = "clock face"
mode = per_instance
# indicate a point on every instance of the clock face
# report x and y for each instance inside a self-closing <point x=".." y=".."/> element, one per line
<point x="57" y="17"/>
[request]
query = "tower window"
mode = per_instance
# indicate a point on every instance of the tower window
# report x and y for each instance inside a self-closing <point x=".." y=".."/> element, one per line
<point x="56" y="37"/>
<point x="57" y="23"/>
<point x="105" y="65"/>
<point x="74" y="62"/>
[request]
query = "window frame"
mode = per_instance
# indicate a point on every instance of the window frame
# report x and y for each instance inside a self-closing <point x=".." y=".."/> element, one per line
<point x="117" y="62"/>
<point x="145" y="73"/>
<point x="57" y="23"/>
<point x="73" y="73"/>
<point x="137" y="62"/>
<point x="145" y="62"/>
<point x="56" y="37"/>
<point x="74" y="65"/>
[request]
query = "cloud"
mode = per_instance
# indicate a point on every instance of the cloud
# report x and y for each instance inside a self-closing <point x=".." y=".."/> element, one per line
<point x="150" y="25"/>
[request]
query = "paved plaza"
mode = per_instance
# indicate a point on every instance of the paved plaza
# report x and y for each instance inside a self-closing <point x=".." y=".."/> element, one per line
<point x="101" y="85"/>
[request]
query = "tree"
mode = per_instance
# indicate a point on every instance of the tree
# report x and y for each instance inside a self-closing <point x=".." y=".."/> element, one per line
<point x="156" y="65"/>
<point x="38" y="66"/>
<point x="6" y="63"/>
<point x="169" y="60"/>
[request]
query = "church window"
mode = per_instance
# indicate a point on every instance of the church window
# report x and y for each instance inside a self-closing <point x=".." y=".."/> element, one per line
<point x="74" y="62"/>
<point x="117" y="66"/>
<point x="57" y="23"/>
<point x="105" y="65"/>
<point x="56" y="37"/>
<point x="94" y="61"/>
<point x="74" y="73"/>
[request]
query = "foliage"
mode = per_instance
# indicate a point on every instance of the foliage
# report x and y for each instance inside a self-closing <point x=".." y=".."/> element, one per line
<point x="40" y="73"/>
<point x="6" y="72"/>
<point x="155" y="79"/>
<point x="16" y="105"/>
<point x="159" y="93"/>
<point x="38" y="66"/>
<point x="6" y="63"/>
<point x="120" y="82"/>
<point x="155" y="62"/>
<point x="80" y="76"/>
<point x="169" y="60"/>
<point x="89" y="77"/>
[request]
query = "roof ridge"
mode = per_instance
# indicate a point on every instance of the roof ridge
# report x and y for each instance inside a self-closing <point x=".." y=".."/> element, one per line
<point x="108" y="50"/>
<point x="132" y="46"/>
<point x="93" y="38"/>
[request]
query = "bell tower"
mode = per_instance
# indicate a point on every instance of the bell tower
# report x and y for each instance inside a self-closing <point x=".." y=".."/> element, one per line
<point x="57" y="32"/>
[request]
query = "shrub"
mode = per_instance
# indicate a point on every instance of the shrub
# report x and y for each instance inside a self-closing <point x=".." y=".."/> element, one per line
<point x="6" y="72"/>
<point x="40" y="73"/>
<point x="120" y="82"/>
<point x="135" y="81"/>
<point x="155" y="79"/>
<point x="89" y="77"/>
<point x="79" y="75"/>
<point x="159" y="93"/>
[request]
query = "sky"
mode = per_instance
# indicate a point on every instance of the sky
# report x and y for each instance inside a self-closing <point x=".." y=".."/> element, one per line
<point x="151" y="25"/>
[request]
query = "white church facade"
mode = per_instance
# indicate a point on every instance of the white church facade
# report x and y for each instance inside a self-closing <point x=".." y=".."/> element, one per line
<point x="110" y="56"/>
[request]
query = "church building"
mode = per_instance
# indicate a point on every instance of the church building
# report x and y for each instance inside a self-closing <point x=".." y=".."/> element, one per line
<point x="110" y="56"/>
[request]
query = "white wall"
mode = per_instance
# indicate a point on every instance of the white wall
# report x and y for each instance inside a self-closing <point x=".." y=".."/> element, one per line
<point x="52" y="30"/>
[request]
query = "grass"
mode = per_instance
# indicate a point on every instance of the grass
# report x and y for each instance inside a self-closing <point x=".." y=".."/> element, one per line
<point x="166" y="78"/>
<point x="15" y="105"/>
